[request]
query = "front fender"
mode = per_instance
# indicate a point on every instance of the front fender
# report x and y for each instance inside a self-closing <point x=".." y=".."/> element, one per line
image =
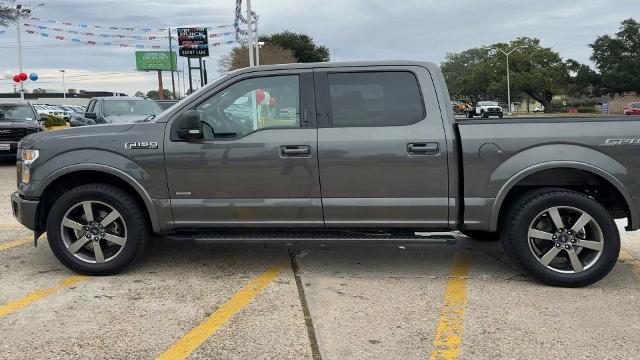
<point x="536" y="159"/>
<point x="147" y="181"/>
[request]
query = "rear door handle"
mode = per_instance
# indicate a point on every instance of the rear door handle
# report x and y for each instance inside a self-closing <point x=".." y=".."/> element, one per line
<point x="295" y="150"/>
<point x="426" y="148"/>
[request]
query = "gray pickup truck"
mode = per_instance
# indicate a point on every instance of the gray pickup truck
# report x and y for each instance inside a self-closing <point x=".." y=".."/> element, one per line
<point x="335" y="151"/>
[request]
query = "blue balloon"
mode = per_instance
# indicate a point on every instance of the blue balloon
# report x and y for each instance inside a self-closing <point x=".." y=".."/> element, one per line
<point x="33" y="76"/>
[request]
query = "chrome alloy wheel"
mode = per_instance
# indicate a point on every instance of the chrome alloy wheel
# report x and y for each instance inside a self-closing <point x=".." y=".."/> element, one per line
<point x="93" y="232"/>
<point x="566" y="239"/>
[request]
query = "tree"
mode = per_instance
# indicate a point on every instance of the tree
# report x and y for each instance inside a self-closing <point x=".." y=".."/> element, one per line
<point x="9" y="14"/>
<point x="154" y="94"/>
<point x="140" y="94"/>
<point x="480" y="73"/>
<point x="269" y="54"/>
<point x="303" y="47"/>
<point x="617" y="58"/>
<point x="583" y="80"/>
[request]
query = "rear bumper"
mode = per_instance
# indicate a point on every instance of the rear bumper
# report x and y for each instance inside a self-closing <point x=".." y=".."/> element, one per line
<point x="24" y="210"/>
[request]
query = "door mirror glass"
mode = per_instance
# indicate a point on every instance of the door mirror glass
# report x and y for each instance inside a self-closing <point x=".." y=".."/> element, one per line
<point x="91" y="115"/>
<point x="190" y="125"/>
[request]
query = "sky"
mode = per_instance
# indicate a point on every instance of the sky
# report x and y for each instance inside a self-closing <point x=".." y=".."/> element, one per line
<point x="352" y="29"/>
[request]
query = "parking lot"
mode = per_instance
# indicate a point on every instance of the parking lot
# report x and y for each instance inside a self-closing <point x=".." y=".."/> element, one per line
<point x="239" y="301"/>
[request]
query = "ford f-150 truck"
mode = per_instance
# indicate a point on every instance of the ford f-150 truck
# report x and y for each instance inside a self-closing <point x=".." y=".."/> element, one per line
<point x="334" y="151"/>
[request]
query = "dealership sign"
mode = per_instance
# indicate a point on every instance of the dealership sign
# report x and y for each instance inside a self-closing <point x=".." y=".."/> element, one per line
<point x="193" y="42"/>
<point x="156" y="60"/>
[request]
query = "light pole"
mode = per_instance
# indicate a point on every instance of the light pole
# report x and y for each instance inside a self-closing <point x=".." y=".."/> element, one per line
<point x="259" y="44"/>
<point x="64" y="85"/>
<point x="507" y="53"/>
<point x="250" y="32"/>
<point x="20" y="10"/>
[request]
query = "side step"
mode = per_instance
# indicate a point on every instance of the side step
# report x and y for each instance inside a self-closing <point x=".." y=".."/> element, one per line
<point x="261" y="236"/>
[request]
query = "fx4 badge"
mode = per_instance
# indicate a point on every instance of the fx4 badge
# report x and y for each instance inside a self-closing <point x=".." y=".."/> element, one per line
<point x="141" y="145"/>
<point x="615" y="142"/>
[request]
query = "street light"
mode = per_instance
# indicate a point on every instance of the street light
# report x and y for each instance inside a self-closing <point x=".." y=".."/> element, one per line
<point x="64" y="86"/>
<point x="507" y="53"/>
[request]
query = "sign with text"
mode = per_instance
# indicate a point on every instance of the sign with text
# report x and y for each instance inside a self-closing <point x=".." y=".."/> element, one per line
<point x="193" y="42"/>
<point x="155" y="60"/>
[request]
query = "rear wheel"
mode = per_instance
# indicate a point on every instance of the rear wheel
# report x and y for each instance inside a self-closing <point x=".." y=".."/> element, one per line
<point x="96" y="229"/>
<point x="483" y="114"/>
<point x="561" y="237"/>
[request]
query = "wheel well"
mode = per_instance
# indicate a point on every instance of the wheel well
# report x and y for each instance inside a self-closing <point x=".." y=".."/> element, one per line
<point x="69" y="181"/>
<point x="578" y="180"/>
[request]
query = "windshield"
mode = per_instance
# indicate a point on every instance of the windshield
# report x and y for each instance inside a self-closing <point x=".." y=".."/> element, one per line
<point x="131" y="108"/>
<point x="488" y="103"/>
<point x="16" y="113"/>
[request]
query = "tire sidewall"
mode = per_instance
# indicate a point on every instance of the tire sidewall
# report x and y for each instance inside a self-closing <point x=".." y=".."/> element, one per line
<point x="518" y="240"/>
<point x="113" y="198"/>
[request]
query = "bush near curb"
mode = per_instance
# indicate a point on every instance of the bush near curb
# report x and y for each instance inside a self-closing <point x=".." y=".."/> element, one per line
<point x="52" y="120"/>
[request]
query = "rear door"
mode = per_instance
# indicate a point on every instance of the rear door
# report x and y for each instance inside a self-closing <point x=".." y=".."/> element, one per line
<point x="382" y="152"/>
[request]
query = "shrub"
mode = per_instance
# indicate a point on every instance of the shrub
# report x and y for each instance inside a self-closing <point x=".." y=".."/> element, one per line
<point x="587" y="109"/>
<point x="54" y="121"/>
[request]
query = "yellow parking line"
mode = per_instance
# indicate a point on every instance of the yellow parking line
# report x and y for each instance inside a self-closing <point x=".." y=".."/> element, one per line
<point x="14" y="227"/>
<point x="19" y="242"/>
<point x="448" y="339"/>
<point x="12" y="306"/>
<point x="634" y="264"/>
<point x="188" y="343"/>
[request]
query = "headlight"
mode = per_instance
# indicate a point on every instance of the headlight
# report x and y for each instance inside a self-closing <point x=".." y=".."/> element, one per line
<point x="27" y="157"/>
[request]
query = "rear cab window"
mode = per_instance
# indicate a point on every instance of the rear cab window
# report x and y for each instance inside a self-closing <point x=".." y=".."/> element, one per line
<point x="375" y="98"/>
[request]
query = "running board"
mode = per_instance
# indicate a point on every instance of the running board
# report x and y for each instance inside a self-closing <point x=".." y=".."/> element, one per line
<point x="263" y="236"/>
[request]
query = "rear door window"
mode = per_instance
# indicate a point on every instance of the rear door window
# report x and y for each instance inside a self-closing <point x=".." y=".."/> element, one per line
<point x="380" y="98"/>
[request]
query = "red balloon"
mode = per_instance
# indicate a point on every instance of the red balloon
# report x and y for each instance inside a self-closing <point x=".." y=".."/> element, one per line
<point x="16" y="78"/>
<point x="23" y="76"/>
<point x="273" y="101"/>
<point x="259" y="96"/>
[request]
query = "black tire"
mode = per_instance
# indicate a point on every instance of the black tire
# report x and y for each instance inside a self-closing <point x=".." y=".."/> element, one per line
<point x="522" y="213"/>
<point x="469" y="115"/>
<point x="131" y="214"/>
<point x="482" y="235"/>
<point x="482" y="113"/>
<point x="501" y="116"/>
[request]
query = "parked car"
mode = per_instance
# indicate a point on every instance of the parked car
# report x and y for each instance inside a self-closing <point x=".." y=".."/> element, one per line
<point x="118" y="110"/>
<point x="538" y="109"/>
<point x="632" y="109"/>
<point x="17" y="120"/>
<point x="381" y="139"/>
<point x="485" y="109"/>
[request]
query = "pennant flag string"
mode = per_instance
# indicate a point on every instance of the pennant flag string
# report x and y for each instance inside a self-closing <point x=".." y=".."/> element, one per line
<point x="110" y="28"/>
<point x="79" y="41"/>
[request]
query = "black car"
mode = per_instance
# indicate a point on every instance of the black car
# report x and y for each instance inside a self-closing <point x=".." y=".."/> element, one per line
<point x="17" y="120"/>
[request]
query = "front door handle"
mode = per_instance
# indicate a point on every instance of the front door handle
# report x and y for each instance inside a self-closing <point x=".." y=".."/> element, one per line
<point x="295" y="150"/>
<point x="426" y="148"/>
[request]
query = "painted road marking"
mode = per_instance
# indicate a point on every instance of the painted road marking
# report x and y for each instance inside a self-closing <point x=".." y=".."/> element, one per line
<point x="633" y="263"/>
<point x="12" y="306"/>
<point x="192" y="340"/>
<point x="19" y="242"/>
<point x="448" y="339"/>
<point x="10" y="226"/>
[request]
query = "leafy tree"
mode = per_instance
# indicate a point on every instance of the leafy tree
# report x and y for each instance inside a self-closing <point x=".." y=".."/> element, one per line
<point x="140" y="94"/>
<point x="9" y="14"/>
<point x="269" y="54"/>
<point x="583" y="80"/>
<point x="480" y="73"/>
<point x="303" y="47"/>
<point x="155" y="95"/>
<point x="617" y="57"/>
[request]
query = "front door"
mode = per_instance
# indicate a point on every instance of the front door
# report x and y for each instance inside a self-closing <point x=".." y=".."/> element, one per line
<point x="382" y="155"/>
<point x="258" y="164"/>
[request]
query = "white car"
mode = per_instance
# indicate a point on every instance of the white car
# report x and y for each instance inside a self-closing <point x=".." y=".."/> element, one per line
<point x="485" y="109"/>
<point x="538" y="109"/>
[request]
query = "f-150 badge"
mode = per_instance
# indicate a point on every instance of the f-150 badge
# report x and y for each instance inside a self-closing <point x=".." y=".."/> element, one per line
<point x="614" y="142"/>
<point x="141" y="145"/>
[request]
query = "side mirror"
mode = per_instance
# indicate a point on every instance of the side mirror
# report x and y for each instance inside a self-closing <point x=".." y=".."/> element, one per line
<point x="190" y="125"/>
<point x="91" y="115"/>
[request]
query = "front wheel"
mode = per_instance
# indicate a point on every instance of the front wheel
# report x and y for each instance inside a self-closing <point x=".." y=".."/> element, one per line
<point x="561" y="237"/>
<point x="96" y="229"/>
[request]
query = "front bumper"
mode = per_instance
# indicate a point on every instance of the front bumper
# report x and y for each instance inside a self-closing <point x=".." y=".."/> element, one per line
<point x="24" y="210"/>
